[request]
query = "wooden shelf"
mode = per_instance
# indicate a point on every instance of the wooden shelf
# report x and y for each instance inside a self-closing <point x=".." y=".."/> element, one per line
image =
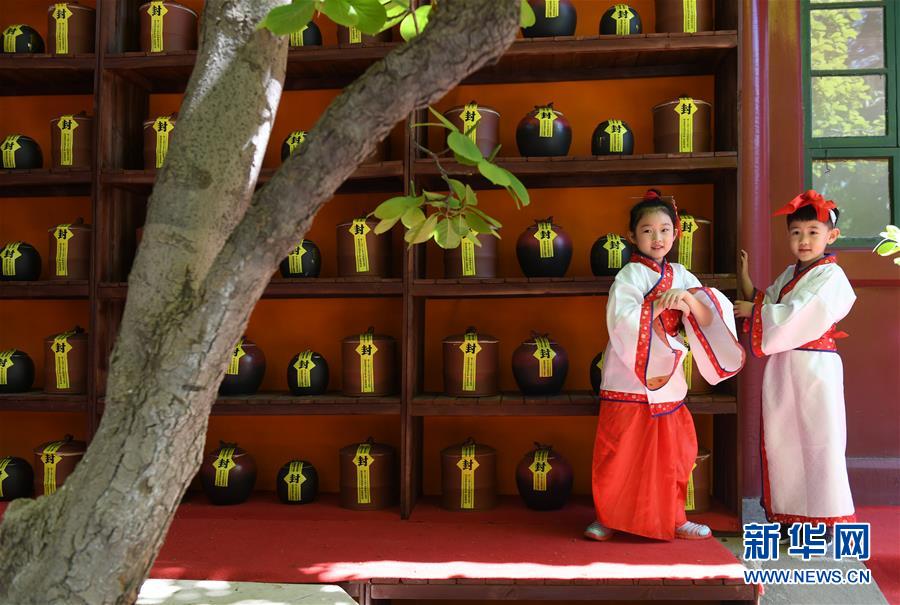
<point x="45" y="183"/>
<point x="284" y="404"/>
<point x="536" y="286"/>
<point x="380" y="176"/>
<point x="527" y="60"/>
<point x="38" y="401"/>
<point x="26" y="74"/>
<point x="596" y="171"/>
<point x="574" y="403"/>
<point x="317" y="287"/>
<point x="56" y="289"/>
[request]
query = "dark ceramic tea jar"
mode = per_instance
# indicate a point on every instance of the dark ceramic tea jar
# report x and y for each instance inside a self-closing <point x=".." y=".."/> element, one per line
<point x="16" y="479"/>
<point x="596" y="372"/>
<point x="544" y="131"/>
<point x="71" y="141"/>
<point x="544" y="478"/>
<point x="21" y="152"/>
<point x="21" y="262"/>
<point x="16" y="371"/>
<point x="70" y="28"/>
<point x="54" y="462"/>
<point x="609" y="254"/>
<point x="544" y="249"/>
<point x="66" y="362"/>
<point x="70" y="251"/>
<point x="612" y="137"/>
<point x="620" y="20"/>
<point x="167" y="27"/>
<point x="307" y="374"/>
<point x="308" y="35"/>
<point x="369" y="364"/>
<point x="552" y="18"/>
<point x="540" y="365"/>
<point x="479" y="122"/>
<point x="22" y="39"/>
<point x="297" y="482"/>
<point x="304" y="260"/>
<point x="469" y="477"/>
<point x="246" y="369"/>
<point x="228" y="474"/>
<point x="368" y="475"/>
<point x="471" y="364"/>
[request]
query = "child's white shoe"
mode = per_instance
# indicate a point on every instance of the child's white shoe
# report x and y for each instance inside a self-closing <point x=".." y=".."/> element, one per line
<point x="692" y="531"/>
<point x="599" y="532"/>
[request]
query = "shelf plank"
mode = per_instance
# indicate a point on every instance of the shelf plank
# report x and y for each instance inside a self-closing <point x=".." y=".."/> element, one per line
<point x="56" y="289"/>
<point x="27" y="74"/>
<point x="595" y="171"/>
<point x="537" y="286"/>
<point x="527" y="60"/>
<point x="38" y="401"/>
<point x="45" y="183"/>
<point x="284" y="404"/>
<point x="378" y="176"/>
<point x="573" y="403"/>
<point x="318" y="287"/>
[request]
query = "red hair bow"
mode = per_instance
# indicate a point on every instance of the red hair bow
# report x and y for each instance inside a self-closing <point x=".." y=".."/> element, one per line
<point x="810" y="198"/>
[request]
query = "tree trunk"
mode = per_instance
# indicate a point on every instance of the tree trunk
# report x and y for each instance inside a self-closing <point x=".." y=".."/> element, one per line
<point x="208" y="251"/>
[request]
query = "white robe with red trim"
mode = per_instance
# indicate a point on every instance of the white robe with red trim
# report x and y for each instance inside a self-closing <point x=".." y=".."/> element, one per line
<point x="804" y="434"/>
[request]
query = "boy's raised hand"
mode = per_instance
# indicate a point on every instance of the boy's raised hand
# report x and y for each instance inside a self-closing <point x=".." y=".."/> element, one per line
<point x="744" y="263"/>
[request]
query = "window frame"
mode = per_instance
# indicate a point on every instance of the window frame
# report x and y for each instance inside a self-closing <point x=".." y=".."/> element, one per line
<point x="838" y="148"/>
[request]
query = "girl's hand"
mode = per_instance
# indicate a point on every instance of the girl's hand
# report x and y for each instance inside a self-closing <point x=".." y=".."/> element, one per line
<point x="671" y="298"/>
<point x="743" y="308"/>
<point x="684" y="307"/>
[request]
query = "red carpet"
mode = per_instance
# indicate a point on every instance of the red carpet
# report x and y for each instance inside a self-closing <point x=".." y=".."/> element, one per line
<point x="885" y="555"/>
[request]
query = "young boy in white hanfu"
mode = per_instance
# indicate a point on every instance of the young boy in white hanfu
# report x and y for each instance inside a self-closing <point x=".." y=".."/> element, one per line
<point x="804" y="433"/>
<point x="646" y="446"/>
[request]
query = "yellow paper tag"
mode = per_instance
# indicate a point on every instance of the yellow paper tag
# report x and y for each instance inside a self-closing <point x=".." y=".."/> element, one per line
<point x="540" y="468"/>
<point x="614" y="246"/>
<point x="61" y="348"/>
<point x="295" y="259"/>
<point x="163" y="127"/>
<point x="544" y="353"/>
<point x="157" y="11"/>
<point x="359" y="229"/>
<point x="366" y="351"/>
<point x="551" y="9"/>
<point x="688" y="364"/>
<point x="4" y="462"/>
<point x="61" y="14"/>
<point x="9" y="38"/>
<point x="470" y="117"/>
<point x="686" y="244"/>
<point x="545" y="236"/>
<point x="297" y="137"/>
<point x="50" y="459"/>
<point x="685" y="108"/>
<point x="6" y="363"/>
<point x="623" y="15"/>
<point x="295" y="481"/>
<point x="363" y="461"/>
<point x="297" y="36"/>
<point x="355" y="35"/>
<point x="236" y="354"/>
<point x="599" y="364"/>
<point x="304" y="366"/>
<point x="67" y="125"/>
<point x="62" y="234"/>
<point x="616" y="131"/>
<point x="470" y="349"/>
<point x="689" y="503"/>
<point x="467" y="247"/>
<point x="10" y="254"/>
<point x="689" y="8"/>
<point x="468" y="465"/>
<point x="223" y="465"/>
<point x="10" y="146"/>
<point x="547" y="116"/>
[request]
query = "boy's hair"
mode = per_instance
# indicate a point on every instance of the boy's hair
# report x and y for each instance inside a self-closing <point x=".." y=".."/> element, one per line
<point x="808" y="213"/>
<point x="652" y="202"/>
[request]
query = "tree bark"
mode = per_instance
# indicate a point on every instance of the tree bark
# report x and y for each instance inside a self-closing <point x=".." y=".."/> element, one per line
<point x="209" y="249"/>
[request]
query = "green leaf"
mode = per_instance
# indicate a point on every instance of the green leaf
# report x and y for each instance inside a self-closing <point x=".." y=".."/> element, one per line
<point x="423" y="232"/>
<point x="284" y="20"/>
<point x="459" y="224"/>
<point x="414" y="23"/>
<point x="471" y="198"/>
<point x="887" y="248"/>
<point x="339" y="11"/>
<point x="394" y="207"/>
<point x="433" y="196"/>
<point x="454" y="203"/>
<point x="486" y="217"/>
<point x="464" y="146"/>
<point x="897" y="261"/>
<point x="891" y="232"/>
<point x="413" y="217"/>
<point x="370" y="15"/>
<point x="478" y="224"/>
<point x="458" y="187"/>
<point x="445" y="236"/>
<point x="495" y="174"/>
<point x="494" y="153"/>
<point x="518" y="189"/>
<point x="447" y="123"/>
<point x="385" y="225"/>
<point x="526" y="14"/>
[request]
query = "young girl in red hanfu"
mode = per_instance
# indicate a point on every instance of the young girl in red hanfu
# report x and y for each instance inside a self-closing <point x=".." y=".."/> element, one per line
<point x="646" y="445"/>
<point x="804" y="433"/>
